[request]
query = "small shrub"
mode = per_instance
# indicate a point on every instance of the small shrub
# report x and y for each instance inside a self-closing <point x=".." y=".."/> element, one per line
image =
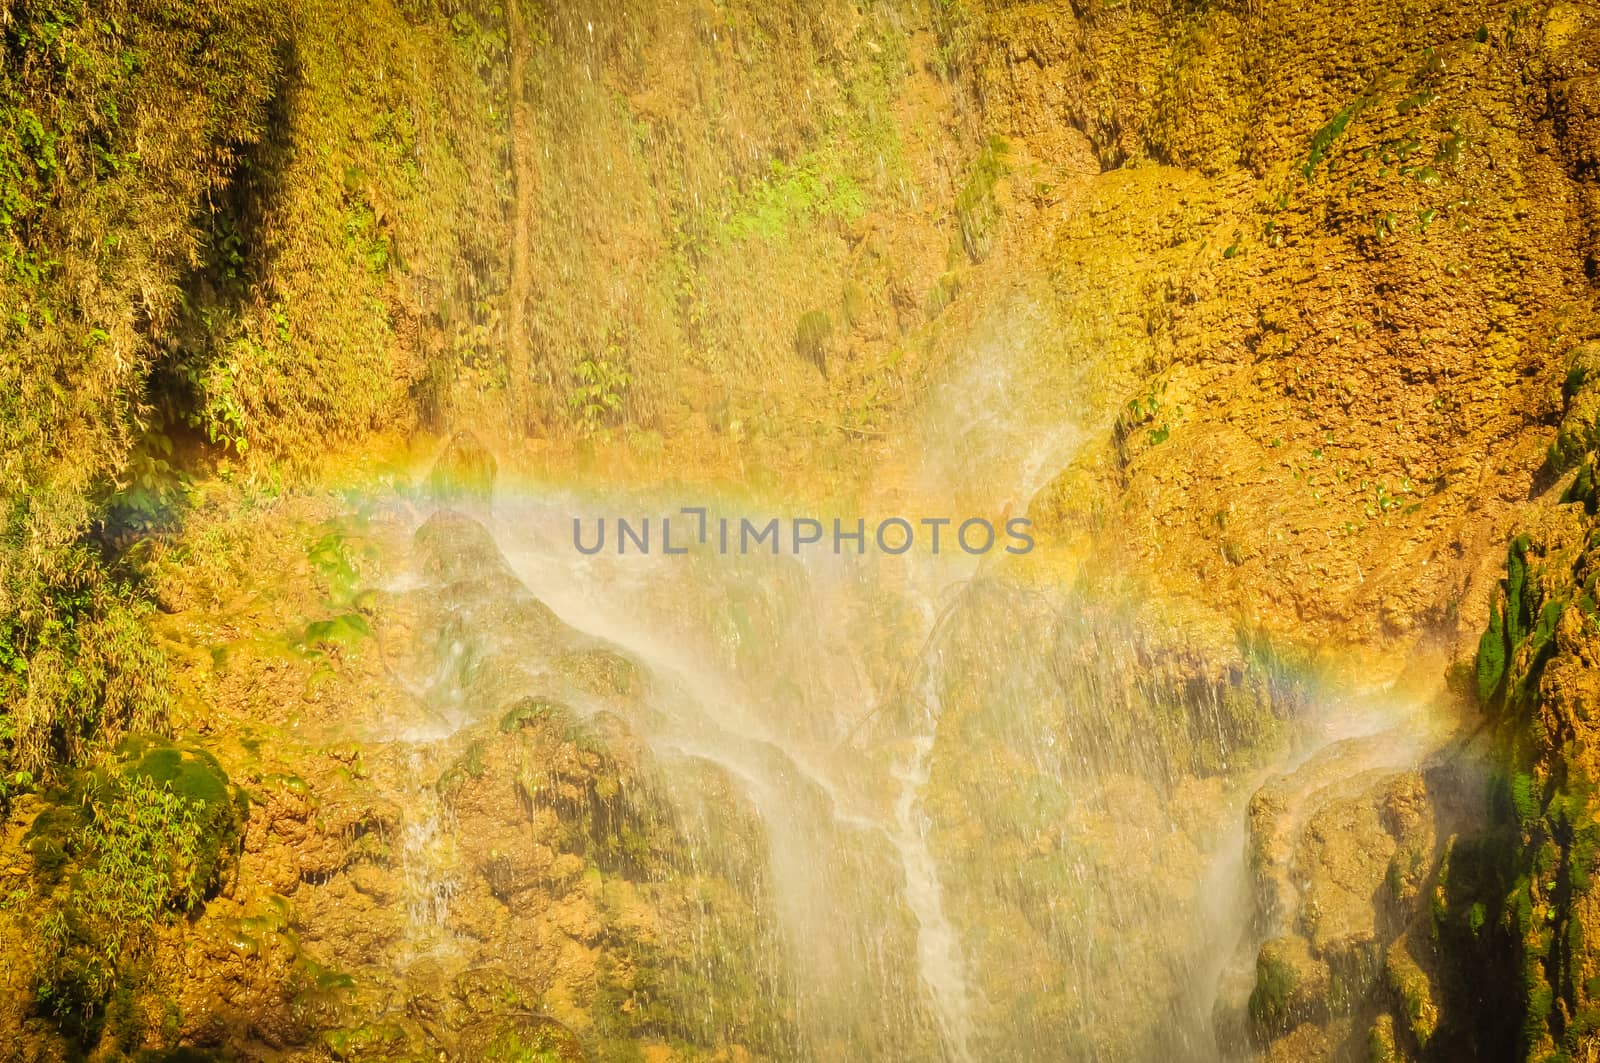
<point x="123" y="848"/>
<point x="77" y="667"/>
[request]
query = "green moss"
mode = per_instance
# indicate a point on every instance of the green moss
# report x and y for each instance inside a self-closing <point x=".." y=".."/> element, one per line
<point x="1381" y="1047"/>
<point x="816" y="186"/>
<point x="976" y="211"/>
<point x="529" y="711"/>
<point x="1491" y="665"/>
<point x="1522" y="909"/>
<point x="1272" y="998"/>
<point x="1525" y="797"/>
<point x="1516" y="610"/>
<point x="320" y="995"/>
<point x="1579" y="431"/>
<point x="368" y="1041"/>
<point x="1418" y="1009"/>
<point x="469" y="765"/>
<point x="1582" y="488"/>
<point x="545" y="1043"/>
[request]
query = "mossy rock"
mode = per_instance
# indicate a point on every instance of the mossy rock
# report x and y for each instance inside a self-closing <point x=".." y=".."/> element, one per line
<point x="49" y="838"/>
<point x="601" y="672"/>
<point x="195" y="777"/>
<point x="976" y="211"/>
<point x="372" y="1041"/>
<point x="1381" y="1046"/>
<point x="1291" y="988"/>
<point x="811" y="338"/>
<point x="192" y="773"/>
<point x="529" y="711"/>
<point x="469" y="765"/>
<point x="192" y="776"/>
<point x="1579" y="433"/>
<point x="1418" y="1011"/>
<point x="523" y="1039"/>
<point x="465" y="471"/>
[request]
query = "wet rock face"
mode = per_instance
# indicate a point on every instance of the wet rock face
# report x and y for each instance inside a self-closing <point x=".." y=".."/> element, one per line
<point x="520" y="855"/>
<point x="1083" y="783"/>
<point x="1332" y="289"/>
<point x="516" y="886"/>
<point x="456" y="549"/>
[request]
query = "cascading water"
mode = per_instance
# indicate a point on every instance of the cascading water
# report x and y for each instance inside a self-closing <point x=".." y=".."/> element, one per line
<point x="423" y="856"/>
<point x="993" y="810"/>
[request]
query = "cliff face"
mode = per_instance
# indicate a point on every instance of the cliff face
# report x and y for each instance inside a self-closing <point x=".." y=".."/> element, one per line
<point x="1359" y="365"/>
<point x="1317" y="285"/>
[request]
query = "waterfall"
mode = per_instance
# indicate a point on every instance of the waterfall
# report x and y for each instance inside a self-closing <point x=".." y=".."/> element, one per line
<point x="969" y="807"/>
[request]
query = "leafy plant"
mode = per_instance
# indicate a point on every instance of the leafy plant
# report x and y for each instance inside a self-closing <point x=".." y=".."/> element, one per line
<point x="336" y="566"/>
<point x="600" y="384"/>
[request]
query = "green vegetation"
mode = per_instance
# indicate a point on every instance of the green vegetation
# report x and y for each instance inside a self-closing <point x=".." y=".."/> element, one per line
<point x="77" y="668"/>
<point x="816" y="187"/>
<point x="116" y="120"/>
<point x="1325" y="137"/>
<point x="237" y="236"/>
<point x="1533" y="876"/>
<point x="528" y="711"/>
<point x="343" y="629"/>
<point x="1579" y="432"/>
<point x="1272" y="1000"/>
<point x="182" y="290"/>
<point x="1149" y="413"/>
<point x="548" y="1043"/>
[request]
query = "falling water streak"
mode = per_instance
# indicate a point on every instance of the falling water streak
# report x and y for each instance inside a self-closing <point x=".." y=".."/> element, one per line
<point x="964" y="444"/>
<point x="424" y="841"/>
<point x="941" y="964"/>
